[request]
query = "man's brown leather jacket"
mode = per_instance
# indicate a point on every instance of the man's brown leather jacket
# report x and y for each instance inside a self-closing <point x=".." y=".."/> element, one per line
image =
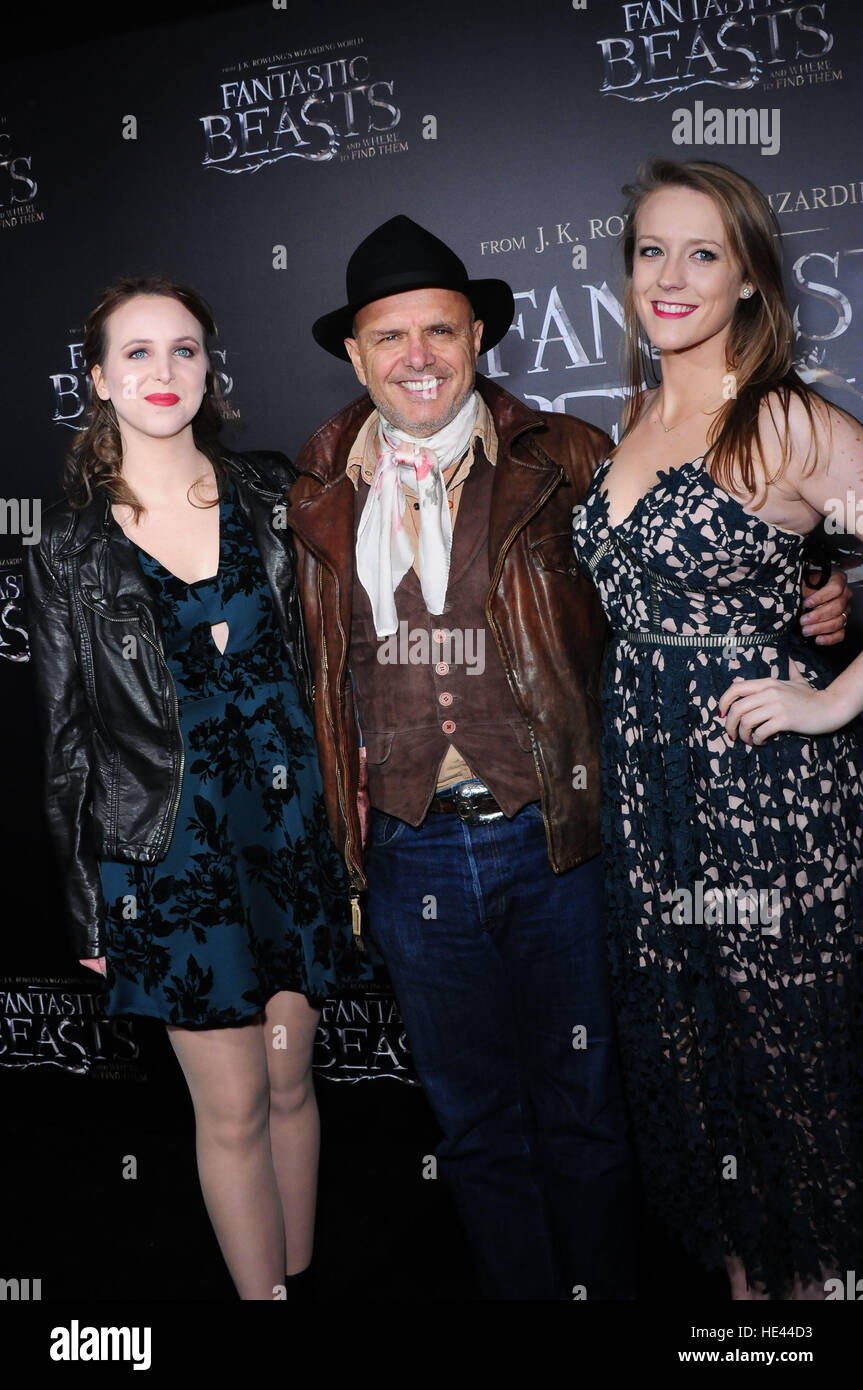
<point x="545" y="615"/>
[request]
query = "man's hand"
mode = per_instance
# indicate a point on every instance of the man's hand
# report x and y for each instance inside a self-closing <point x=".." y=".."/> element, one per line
<point x="825" y="611"/>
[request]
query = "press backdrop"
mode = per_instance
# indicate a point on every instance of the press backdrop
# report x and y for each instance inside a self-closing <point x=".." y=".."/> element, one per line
<point x="249" y="151"/>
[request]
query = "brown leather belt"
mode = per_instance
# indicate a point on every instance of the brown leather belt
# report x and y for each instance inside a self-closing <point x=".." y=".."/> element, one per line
<point x="472" y="802"/>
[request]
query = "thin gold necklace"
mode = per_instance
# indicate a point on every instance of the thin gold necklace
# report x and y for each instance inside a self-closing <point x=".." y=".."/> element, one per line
<point x="682" y="421"/>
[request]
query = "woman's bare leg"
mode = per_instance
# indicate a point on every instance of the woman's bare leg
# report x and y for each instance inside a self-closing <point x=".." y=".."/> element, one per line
<point x="290" y="1024"/>
<point x="226" y="1072"/>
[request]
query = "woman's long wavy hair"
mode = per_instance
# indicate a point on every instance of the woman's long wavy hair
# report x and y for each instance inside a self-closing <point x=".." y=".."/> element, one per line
<point x="95" y="459"/>
<point x="761" y="338"/>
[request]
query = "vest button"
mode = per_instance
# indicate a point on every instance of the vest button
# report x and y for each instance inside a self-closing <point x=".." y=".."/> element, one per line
<point x="448" y="726"/>
<point x="442" y="668"/>
<point x="439" y="636"/>
<point x="445" y="698"/>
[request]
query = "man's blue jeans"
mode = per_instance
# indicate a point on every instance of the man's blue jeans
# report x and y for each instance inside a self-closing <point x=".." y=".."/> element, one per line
<point x="499" y="966"/>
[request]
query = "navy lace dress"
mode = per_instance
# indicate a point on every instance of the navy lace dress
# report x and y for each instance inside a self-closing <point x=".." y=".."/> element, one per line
<point x="251" y="897"/>
<point x="735" y="889"/>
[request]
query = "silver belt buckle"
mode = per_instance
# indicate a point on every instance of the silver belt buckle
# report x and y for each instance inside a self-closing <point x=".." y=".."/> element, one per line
<point x="465" y="796"/>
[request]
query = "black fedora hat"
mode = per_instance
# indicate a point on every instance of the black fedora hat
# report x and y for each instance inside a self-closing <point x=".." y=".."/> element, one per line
<point x="399" y="256"/>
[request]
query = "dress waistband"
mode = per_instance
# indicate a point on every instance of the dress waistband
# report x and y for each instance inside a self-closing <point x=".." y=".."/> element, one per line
<point x="658" y="638"/>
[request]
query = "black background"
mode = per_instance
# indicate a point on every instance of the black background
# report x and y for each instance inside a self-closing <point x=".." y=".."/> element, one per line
<point x="526" y="139"/>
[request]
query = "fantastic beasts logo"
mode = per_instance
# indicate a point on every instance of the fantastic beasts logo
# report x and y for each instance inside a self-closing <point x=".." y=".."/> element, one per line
<point x="44" y="1024"/>
<point x="18" y="187"/>
<point x="297" y="111"/>
<point x="14" y="645"/>
<point x="669" y="46"/>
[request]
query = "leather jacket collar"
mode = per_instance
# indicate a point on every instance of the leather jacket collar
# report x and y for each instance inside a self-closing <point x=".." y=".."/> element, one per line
<point x="325" y="453"/>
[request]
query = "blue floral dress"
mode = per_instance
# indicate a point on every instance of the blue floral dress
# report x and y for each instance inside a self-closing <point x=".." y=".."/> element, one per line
<point x="735" y="889"/>
<point x="251" y="897"/>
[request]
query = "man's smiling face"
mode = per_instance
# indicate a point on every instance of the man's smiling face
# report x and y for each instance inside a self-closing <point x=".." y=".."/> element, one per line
<point x="416" y="353"/>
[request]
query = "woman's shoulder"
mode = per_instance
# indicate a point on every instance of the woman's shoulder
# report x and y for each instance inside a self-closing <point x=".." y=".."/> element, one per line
<point x="800" y="426"/>
<point x="63" y="530"/>
<point x="63" y="521"/>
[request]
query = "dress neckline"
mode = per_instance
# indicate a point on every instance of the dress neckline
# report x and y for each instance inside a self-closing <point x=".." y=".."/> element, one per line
<point x="664" y="475"/>
<point x="191" y="583"/>
<point x="187" y="583"/>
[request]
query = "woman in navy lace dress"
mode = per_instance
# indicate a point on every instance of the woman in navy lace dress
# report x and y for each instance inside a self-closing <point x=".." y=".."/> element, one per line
<point x="184" y="793"/>
<point x="732" y="757"/>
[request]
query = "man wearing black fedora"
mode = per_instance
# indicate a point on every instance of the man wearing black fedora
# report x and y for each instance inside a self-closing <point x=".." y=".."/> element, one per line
<point x="457" y="652"/>
<point x="457" y="655"/>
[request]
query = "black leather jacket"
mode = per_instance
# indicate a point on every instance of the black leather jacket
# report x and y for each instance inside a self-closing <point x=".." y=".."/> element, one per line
<point x="114" y="754"/>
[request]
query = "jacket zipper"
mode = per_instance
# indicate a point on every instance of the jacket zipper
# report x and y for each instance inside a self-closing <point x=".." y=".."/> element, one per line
<point x="133" y="617"/>
<point x="493" y="625"/>
<point x="356" y="915"/>
<point x="176" y="704"/>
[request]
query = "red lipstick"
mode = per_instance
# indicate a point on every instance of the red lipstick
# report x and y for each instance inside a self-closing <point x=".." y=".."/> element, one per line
<point x="680" y="311"/>
<point x="167" y="399"/>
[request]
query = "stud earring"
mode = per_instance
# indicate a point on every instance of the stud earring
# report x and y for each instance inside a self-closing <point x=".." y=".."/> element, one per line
<point x="746" y="292"/>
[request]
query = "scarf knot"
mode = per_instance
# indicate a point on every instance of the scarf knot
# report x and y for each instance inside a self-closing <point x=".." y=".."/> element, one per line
<point x="384" y="552"/>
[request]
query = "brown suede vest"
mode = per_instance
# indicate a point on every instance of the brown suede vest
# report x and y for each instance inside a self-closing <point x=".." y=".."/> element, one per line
<point x="440" y="680"/>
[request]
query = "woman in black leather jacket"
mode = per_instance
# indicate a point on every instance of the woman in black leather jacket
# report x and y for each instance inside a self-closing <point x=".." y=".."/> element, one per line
<point x="183" y="792"/>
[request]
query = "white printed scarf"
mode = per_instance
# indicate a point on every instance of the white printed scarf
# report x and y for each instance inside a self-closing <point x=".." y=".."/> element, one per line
<point x="384" y="551"/>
